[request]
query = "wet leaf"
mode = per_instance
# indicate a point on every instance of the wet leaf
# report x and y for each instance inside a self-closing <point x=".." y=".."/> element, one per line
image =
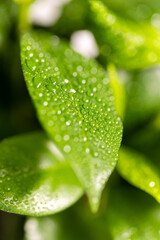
<point x="34" y="178"/>
<point x="141" y="171"/>
<point x="124" y="43"/>
<point x="75" y="105"/>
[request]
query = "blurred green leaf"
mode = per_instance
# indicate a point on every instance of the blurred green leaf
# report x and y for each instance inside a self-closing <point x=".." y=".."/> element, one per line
<point x="156" y="122"/>
<point x="6" y="13"/>
<point x="143" y="97"/>
<point x="135" y="10"/>
<point x="129" y="214"/>
<point x="118" y="90"/>
<point x="74" y="14"/>
<point x="147" y="141"/>
<point x="59" y="227"/>
<point x="34" y="178"/>
<point x="73" y="17"/>
<point x="23" y="1"/>
<point x="140" y="171"/>
<point x="124" y="43"/>
<point x="75" y="105"/>
<point x="132" y="215"/>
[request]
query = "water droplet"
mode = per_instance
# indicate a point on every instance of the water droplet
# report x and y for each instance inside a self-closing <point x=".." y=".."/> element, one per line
<point x="66" y="81"/>
<point x="68" y="123"/>
<point x="67" y="148"/>
<point x="72" y="91"/>
<point x="66" y="137"/>
<point x="152" y="184"/>
<point x="74" y="74"/>
<point x="45" y="103"/>
<point x="87" y="150"/>
<point x="96" y="154"/>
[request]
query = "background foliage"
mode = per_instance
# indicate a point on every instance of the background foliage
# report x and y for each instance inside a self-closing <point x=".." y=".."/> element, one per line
<point x="32" y="175"/>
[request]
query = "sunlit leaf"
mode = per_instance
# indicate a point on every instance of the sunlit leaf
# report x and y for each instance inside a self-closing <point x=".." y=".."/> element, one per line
<point x="140" y="171"/>
<point x="124" y="43"/>
<point x="75" y="105"/>
<point x="34" y="178"/>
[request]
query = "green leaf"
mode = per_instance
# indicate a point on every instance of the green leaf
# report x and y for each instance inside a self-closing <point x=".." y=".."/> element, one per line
<point x="75" y="105"/>
<point x="135" y="10"/>
<point x="140" y="171"/>
<point x="129" y="214"/>
<point x="34" y="178"/>
<point x="124" y="43"/>
<point x="118" y="90"/>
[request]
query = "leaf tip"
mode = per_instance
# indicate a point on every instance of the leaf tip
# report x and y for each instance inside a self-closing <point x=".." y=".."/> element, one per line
<point x="94" y="203"/>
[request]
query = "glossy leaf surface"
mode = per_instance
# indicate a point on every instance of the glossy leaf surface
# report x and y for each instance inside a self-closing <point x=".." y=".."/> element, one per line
<point x="34" y="178"/>
<point x="124" y="43"/>
<point x="75" y="105"/>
